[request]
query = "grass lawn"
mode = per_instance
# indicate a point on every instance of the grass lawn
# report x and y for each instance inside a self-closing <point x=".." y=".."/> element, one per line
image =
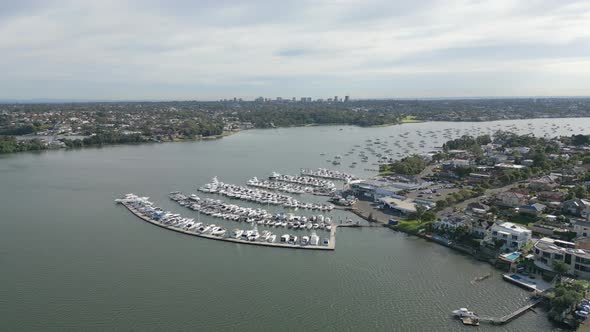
<point x="409" y="226"/>
<point x="410" y="119"/>
<point x="523" y="219"/>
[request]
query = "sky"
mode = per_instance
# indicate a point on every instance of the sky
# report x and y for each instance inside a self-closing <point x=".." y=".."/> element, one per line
<point x="212" y="49"/>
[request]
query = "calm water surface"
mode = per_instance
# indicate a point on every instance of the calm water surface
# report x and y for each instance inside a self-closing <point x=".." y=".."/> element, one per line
<point x="73" y="260"/>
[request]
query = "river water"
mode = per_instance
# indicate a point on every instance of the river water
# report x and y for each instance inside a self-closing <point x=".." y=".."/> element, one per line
<point x="73" y="260"/>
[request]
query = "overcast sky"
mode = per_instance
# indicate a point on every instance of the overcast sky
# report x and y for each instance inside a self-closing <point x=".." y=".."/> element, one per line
<point x="210" y="49"/>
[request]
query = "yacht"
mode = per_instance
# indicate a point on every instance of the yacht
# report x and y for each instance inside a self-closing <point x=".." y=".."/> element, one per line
<point x="271" y="238"/>
<point x="314" y="239"/>
<point x="304" y="240"/>
<point x="285" y="238"/>
<point x="463" y="312"/>
<point x="236" y="233"/>
<point x="218" y="231"/>
<point x="292" y="239"/>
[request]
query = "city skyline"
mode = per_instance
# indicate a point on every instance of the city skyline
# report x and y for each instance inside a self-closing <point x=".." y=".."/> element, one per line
<point x="182" y="50"/>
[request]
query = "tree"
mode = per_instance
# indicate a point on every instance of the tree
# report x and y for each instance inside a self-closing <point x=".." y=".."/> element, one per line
<point x="560" y="268"/>
<point x="579" y="192"/>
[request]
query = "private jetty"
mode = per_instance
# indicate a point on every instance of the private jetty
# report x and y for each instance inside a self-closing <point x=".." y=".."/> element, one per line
<point x="145" y="210"/>
<point x="259" y="196"/>
<point x="219" y="209"/>
<point x="328" y="174"/>
<point x="471" y="318"/>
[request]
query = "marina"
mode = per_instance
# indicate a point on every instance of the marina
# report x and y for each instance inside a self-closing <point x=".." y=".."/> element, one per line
<point x="143" y="209"/>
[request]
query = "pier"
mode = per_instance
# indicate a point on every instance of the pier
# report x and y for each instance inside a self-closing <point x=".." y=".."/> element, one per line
<point x="507" y="318"/>
<point x="330" y="246"/>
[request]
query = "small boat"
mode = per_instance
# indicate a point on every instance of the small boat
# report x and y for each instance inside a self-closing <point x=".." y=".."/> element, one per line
<point x="314" y="239"/>
<point x="236" y="233"/>
<point x="463" y="312"/>
<point x="304" y="240"/>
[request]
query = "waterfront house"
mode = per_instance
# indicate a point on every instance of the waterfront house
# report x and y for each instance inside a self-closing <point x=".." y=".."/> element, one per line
<point x="481" y="228"/>
<point x="549" y="251"/>
<point x="510" y="199"/>
<point x="577" y="207"/>
<point x="453" y="222"/>
<point x="513" y="236"/>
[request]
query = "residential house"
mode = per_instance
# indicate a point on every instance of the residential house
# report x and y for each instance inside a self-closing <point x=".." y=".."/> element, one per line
<point x="453" y="222"/>
<point x="581" y="228"/>
<point x="510" y="199"/>
<point x="552" y="196"/>
<point x="545" y="183"/>
<point x="513" y="236"/>
<point x="549" y="251"/>
<point x="533" y="209"/>
<point x="481" y="228"/>
<point x="576" y="207"/>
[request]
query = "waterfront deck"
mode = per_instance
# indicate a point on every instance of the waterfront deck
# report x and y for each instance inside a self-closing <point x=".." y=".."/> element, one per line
<point x="525" y="282"/>
<point x="330" y="246"/>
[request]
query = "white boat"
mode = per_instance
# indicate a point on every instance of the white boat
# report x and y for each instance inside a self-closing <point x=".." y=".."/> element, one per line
<point x="304" y="240"/>
<point x="463" y="312"/>
<point x="218" y="231"/>
<point x="314" y="239"/>
<point x="284" y="238"/>
<point x="271" y="238"/>
<point x="236" y="233"/>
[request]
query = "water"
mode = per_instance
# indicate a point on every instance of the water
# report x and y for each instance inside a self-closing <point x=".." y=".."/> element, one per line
<point x="73" y="260"/>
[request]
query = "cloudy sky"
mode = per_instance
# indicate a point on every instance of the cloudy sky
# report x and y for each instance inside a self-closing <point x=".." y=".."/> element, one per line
<point x="210" y="49"/>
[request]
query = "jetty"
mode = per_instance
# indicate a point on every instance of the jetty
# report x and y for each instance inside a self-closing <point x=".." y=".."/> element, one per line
<point x="331" y="245"/>
<point x="509" y="317"/>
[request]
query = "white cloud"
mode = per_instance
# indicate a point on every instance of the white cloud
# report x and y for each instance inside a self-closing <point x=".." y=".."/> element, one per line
<point x="208" y="49"/>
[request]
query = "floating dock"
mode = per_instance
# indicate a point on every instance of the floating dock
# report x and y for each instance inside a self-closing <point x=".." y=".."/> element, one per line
<point x="330" y="246"/>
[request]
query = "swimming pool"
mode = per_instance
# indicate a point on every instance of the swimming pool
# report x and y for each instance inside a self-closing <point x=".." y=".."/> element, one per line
<point x="512" y="256"/>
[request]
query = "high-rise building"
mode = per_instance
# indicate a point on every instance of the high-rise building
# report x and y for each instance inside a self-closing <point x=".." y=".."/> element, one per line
<point x="335" y="99"/>
<point x="346" y="99"/>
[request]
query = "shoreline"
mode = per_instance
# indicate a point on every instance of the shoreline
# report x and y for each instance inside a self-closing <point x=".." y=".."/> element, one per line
<point x="230" y="133"/>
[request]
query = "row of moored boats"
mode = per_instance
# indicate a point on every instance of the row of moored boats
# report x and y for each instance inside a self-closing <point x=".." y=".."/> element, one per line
<point x="143" y="207"/>
<point x="227" y="211"/>
<point x="303" y="180"/>
<point x="259" y="196"/>
<point x="328" y="174"/>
